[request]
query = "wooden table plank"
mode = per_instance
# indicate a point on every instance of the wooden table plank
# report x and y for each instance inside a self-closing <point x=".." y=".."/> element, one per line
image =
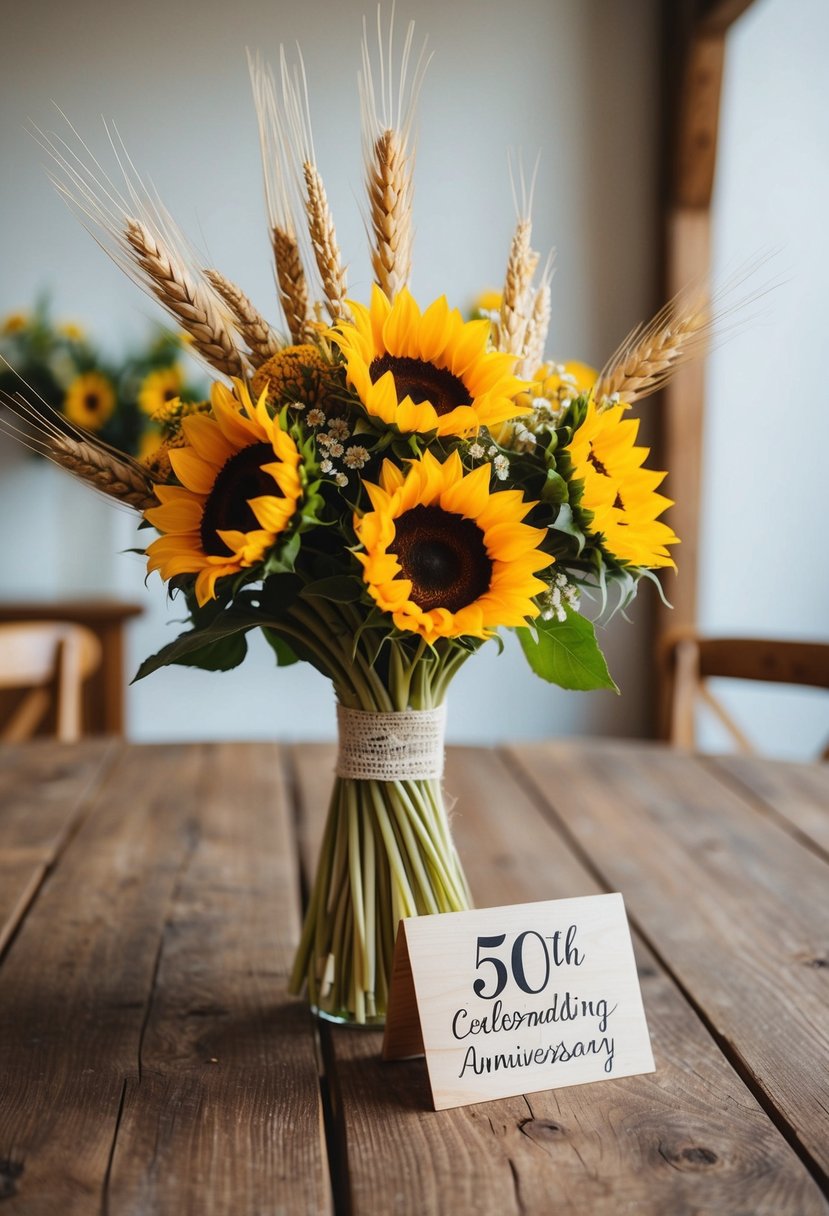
<point x="688" y="1139"/>
<point x="149" y="1057"/>
<point x="44" y="790"/>
<point x="798" y="794"/>
<point x="735" y="905"/>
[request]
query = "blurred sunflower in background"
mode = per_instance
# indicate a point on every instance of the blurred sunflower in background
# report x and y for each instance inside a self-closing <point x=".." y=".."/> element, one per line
<point x="89" y="401"/>
<point x="116" y="398"/>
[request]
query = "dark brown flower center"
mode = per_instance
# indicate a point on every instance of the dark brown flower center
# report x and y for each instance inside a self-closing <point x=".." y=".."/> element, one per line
<point x="445" y="557"/>
<point x="92" y="402"/>
<point x="226" y="509"/>
<point x="422" y="381"/>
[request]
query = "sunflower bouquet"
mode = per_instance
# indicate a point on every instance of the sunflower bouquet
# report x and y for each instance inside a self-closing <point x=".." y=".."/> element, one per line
<point x="379" y="491"/>
<point x="122" y="401"/>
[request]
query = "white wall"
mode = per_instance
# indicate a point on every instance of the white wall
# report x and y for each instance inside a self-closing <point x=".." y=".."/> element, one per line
<point x="534" y="74"/>
<point x="765" y="504"/>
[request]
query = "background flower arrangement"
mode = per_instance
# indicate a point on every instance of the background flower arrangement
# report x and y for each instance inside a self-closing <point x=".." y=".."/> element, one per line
<point x="120" y="400"/>
<point x="379" y="493"/>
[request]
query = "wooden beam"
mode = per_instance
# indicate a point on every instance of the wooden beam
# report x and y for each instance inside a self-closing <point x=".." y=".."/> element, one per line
<point x="695" y="37"/>
<point x="715" y="16"/>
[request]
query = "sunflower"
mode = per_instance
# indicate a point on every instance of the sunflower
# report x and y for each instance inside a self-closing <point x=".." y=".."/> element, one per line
<point x="89" y="401"/>
<point x="159" y="388"/>
<point x="619" y="492"/>
<point x="446" y="556"/>
<point x="429" y="372"/>
<point x="240" y="487"/>
<point x="14" y="323"/>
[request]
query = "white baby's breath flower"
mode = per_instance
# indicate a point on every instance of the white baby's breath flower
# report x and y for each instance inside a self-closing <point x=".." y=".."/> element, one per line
<point x="326" y="466"/>
<point x="476" y="451"/>
<point x="341" y="479"/>
<point x="356" y="456"/>
<point x="334" y="448"/>
<point x="338" y="428"/>
<point x="492" y="450"/>
<point x="501" y="466"/>
<point x="315" y="417"/>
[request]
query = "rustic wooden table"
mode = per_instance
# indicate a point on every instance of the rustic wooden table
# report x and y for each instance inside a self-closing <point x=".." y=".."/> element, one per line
<point x="151" y="1061"/>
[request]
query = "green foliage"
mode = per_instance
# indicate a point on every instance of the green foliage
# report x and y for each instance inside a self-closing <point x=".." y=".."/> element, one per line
<point x="566" y="653"/>
<point x="50" y="356"/>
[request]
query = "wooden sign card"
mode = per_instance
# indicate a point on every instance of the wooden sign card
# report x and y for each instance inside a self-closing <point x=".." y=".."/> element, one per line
<point x="518" y="999"/>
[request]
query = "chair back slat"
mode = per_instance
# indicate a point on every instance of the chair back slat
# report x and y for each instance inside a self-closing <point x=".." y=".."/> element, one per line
<point x="689" y="661"/>
<point x="48" y="661"/>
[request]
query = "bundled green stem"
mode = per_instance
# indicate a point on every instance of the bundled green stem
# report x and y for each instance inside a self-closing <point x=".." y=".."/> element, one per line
<point x="387" y="850"/>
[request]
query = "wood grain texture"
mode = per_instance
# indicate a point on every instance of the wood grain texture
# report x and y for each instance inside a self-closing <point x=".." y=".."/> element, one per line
<point x="151" y="1061"/>
<point x="798" y="794"/>
<point x="43" y="792"/>
<point x="732" y="902"/>
<point x="688" y="1139"/>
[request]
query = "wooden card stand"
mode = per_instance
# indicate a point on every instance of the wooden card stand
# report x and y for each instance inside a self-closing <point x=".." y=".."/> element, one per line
<point x="513" y="1000"/>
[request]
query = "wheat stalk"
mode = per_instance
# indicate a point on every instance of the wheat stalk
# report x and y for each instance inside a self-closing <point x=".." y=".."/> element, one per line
<point x="324" y="242"/>
<point x="389" y="91"/>
<point x="538" y="327"/>
<point x="651" y="354"/>
<point x="515" y="305"/>
<point x="189" y="302"/>
<point x="117" y="476"/>
<point x="290" y="277"/>
<point x="389" y="184"/>
<point x="257" y="333"/>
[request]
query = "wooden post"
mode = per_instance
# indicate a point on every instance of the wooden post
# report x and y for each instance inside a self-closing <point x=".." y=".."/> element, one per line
<point x="695" y="33"/>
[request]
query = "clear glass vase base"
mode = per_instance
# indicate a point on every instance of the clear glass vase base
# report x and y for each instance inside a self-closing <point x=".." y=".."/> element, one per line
<point x="336" y="1019"/>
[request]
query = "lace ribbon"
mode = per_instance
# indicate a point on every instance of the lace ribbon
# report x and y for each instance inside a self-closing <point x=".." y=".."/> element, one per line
<point x="390" y="747"/>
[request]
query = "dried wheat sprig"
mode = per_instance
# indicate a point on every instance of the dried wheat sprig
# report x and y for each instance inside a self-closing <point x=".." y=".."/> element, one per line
<point x="651" y="354"/>
<point x="116" y="477"/>
<point x="280" y="198"/>
<point x="141" y="237"/>
<point x="188" y="301"/>
<point x="324" y="242"/>
<point x="388" y="115"/>
<point x="291" y="281"/>
<point x="296" y="117"/>
<point x="50" y="434"/>
<point x="261" y="339"/>
<point x="389" y="185"/>
<point x="515" y="302"/>
<point x="538" y="324"/>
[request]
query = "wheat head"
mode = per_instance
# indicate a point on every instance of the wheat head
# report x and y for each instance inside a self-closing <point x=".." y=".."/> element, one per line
<point x="118" y="477"/>
<point x="389" y="183"/>
<point x="257" y="333"/>
<point x="290" y="278"/>
<point x="189" y="302"/>
<point x="515" y="303"/>
<point x="651" y="354"/>
<point x="324" y="241"/>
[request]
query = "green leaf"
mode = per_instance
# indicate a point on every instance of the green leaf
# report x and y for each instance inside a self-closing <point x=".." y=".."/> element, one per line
<point x="202" y="647"/>
<point x="221" y="655"/>
<point x="340" y="589"/>
<point x="555" y="488"/>
<point x="284" y="654"/>
<point x="566" y="653"/>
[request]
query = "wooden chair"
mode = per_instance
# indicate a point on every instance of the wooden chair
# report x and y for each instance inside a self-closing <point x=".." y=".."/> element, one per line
<point x="688" y="661"/>
<point x="48" y="661"/>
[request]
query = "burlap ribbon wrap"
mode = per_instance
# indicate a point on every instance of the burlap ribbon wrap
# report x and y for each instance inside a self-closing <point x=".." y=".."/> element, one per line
<point x="391" y="746"/>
